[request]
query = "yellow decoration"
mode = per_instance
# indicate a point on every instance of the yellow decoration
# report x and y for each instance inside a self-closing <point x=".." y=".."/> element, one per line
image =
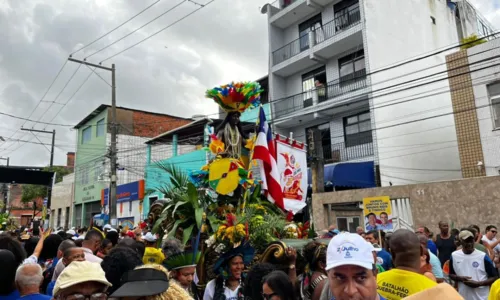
<point x="223" y="175"/>
<point x="216" y="146"/>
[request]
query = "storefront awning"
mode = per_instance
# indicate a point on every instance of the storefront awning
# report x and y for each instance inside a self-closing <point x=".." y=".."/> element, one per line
<point x="356" y="175"/>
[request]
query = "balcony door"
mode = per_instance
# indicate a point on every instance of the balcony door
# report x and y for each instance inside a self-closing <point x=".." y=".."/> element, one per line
<point x="306" y="27"/>
<point x="346" y="13"/>
<point x="326" y="139"/>
<point x="314" y="81"/>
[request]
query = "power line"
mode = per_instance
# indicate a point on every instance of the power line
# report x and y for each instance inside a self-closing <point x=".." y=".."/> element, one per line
<point x="157" y="32"/>
<point x="112" y="30"/>
<point x="137" y="29"/>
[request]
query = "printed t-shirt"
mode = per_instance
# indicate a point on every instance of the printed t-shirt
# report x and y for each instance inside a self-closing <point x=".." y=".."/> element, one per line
<point x="210" y="291"/>
<point x="153" y="256"/>
<point x="476" y="265"/>
<point x="397" y="284"/>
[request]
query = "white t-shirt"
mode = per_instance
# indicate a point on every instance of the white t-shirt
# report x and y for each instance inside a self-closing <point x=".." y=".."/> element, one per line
<point x="476" y="265"/>
<point x="210" y="291"/>
<point x="485" y="239"/>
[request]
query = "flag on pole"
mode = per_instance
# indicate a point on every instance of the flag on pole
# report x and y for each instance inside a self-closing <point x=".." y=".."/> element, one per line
<point x="265" y="152"/>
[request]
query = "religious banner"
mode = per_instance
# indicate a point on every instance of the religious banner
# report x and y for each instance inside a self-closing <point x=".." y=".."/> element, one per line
<point x="377" y="212"/>
<point x="292" y="168"/>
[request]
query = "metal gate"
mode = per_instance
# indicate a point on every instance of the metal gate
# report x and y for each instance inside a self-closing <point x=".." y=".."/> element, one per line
<point x="401" y="214"/>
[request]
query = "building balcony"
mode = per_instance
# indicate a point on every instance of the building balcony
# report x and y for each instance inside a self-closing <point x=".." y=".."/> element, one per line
<point x="332" y="38"/>
<point x="342" y="152"/>
<point x="321" y="97"/>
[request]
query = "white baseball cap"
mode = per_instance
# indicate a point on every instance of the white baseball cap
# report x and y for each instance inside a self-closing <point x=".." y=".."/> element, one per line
<point x="71" y="231"/>
<point x="349" y="249"/>
<point x="149" y="237"/>
<point x="107" y="226"/>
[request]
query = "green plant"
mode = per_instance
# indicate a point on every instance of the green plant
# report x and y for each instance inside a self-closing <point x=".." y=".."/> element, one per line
<point x="31" y="192"/>
<point x="471" y="41"/>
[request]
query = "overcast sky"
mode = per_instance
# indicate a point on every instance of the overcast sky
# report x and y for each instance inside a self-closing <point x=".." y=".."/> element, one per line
<point x="224" y="41"/>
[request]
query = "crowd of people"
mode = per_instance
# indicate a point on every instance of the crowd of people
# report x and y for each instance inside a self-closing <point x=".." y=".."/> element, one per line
<point x="100" y="264"/>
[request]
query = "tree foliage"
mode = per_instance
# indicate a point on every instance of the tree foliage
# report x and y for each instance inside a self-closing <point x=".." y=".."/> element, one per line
<point x="31" y="192"/>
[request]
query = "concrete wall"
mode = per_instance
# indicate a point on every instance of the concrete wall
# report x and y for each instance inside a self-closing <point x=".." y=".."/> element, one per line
<point x="460" y="202"/>
<point x="62" y="198"/>
<point x="410" y="150"/>
<point x="490" y="136"/>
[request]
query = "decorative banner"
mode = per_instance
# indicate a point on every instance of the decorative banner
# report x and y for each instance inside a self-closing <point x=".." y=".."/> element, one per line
<point x="126" y="222"/>
<point x="292" y="167"/>
<point x="125" y="192"/>
<point x="378" y="213"/>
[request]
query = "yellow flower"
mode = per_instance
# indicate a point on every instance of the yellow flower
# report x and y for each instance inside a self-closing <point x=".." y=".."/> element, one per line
<point x="220" y="231"/>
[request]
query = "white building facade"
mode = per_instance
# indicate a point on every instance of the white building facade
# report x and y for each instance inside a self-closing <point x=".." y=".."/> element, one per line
<point x="62" y="203"/>
<point x="334" y="66"/>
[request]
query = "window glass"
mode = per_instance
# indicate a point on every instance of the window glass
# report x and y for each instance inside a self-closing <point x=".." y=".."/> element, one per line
<point x="100" y="128"/>
<point x="86" y="135"/>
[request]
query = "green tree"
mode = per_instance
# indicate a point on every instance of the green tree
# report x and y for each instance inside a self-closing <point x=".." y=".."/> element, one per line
<point x="31" y="192"/>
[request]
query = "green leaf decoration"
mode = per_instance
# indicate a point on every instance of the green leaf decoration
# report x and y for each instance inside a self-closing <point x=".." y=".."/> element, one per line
<point x="174" y="229"/>
<point x="177" y="206"/>
<point x="187" y="234"/>
<point x="198" y="214"/>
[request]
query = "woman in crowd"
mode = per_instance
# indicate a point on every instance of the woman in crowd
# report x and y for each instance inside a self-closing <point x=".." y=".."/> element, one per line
<point x="119" y="261"/>
<point x="314" y="276"/>
<point x="254" y="279"/>
<point x="106" y="246"/>
<point x="277" y="286"/>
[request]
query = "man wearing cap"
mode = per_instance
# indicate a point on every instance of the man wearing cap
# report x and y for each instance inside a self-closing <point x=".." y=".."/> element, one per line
<point x="473" y="270"/>
<point x="405" y="279"/>
<point x="152" y="255"/>
<point x="82" y="280"/>
<point x="350" y="264"/>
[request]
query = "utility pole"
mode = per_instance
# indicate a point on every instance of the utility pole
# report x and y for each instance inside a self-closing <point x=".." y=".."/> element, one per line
<point x="7" y="159"/>
<point x="114" y="131"/>
<point x="318" y="164"/>
<point x="53" y="132"/>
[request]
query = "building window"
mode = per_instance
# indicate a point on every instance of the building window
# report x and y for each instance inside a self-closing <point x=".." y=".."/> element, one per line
<point x="346" y="13"/>
<point x="311" y="81"/>
<point x="433" y="20"/>
<point x="66" y="218"/>
<point x="59" y="217"/>
<point x="358" y="129"/>
<point x="326" y="139"/>
<point x="494" y="94"/>
<point x="306" y="27"/>
<point x="78" y="215"/>
<point x="86" y="135"/>
<point x="100" y="128"/>
<point x="352" y="67"/>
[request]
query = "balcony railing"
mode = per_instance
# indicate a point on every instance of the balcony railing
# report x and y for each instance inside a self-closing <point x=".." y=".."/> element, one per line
<point x="318" y="35"/>
<point x="281" y="4"/>
<point x="340" y="152"/>
<point x="335" y="88"/>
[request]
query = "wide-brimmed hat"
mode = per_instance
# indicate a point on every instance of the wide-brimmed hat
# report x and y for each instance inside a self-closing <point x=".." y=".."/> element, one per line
<point x="142" y="283"/>
<point x="79" y="272"/>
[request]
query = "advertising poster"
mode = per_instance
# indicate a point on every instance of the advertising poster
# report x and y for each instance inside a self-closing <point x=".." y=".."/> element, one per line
<point x="292" y="167"/>
<point x="378" y="213"/>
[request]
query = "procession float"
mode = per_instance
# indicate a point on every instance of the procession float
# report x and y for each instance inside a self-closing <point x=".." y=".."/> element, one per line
<point x="245" y="197"/>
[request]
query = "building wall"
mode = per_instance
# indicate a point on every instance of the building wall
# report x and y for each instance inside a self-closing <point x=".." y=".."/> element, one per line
<point x="151" y="125"/>
<point x="490" y="136"/>
<point x="459" y="202"/>
<point x="19" y="211"/>
<point x="62" y="198"/>
<point x="156" y="177"/>
<point x="409" y="150"/>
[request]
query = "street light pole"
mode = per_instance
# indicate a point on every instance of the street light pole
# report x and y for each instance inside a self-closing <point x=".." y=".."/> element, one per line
<point x="53" y="132"/>
<point x="7" y="159"/>
<point x="114" y="132"/>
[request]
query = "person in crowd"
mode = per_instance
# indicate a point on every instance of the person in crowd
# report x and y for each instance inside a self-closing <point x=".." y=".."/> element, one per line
<point x="149" y="282"/>
<point x="28" y="281"/>
<point x="10" y="263"/>
<point x="104" y="249"/>
<point x="495" y="291"/>
<point x="315" y="275"/>
<point x="79" y="242"/>
<point x="229" y="269"/>
<point x="384" y="258"/>
<point x="277" y="286"/>
<point x="372" y="222"/>
<point x="71" y="254"/>
<point x="182" y="268"/>
<point x="60" y="253"/>
<point x="152" y="255"/>
<point x="473" y="270"/>
<point x="14" y="246"/>
<point x="140" y="247"/>
<point x="405" y="279"/>
<point x="91" y="244"/>
<point x="490" y="238"/>
<point x="431" y="246"/>
<point x="81" y="280"/>
<point x="330" y="233"/>
<point x="113" y="237"/>
<point x="479" y="243"/>
<point x="171" y="246"/>
<point x="425" y="265"/>
<point x="445" y="242"/>
<point x="351" y="268"/>
<point x="30" y="245"/>
<point x="360" y="230"/>
<point x="119" y="261"/>
<point x="254" y="279"/>
<point x="434" y="262"/>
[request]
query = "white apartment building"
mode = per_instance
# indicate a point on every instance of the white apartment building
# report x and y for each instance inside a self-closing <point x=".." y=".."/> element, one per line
<point x="62" y="203"/>
<point x="333" y="65"/>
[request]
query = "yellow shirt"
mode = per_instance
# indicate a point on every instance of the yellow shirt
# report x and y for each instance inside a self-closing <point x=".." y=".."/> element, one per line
<point x="153" y="256"/>
<point x="397" y="284"/>
<point x="495" y="291"/>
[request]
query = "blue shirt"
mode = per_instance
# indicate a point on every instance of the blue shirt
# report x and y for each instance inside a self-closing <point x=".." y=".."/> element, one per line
<point x="432" y="247"/>
<point x="35" y="297"/>
<point x="437" y="270"/>
<point x="384" y="259"/>
<point x="12" y="296"/>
